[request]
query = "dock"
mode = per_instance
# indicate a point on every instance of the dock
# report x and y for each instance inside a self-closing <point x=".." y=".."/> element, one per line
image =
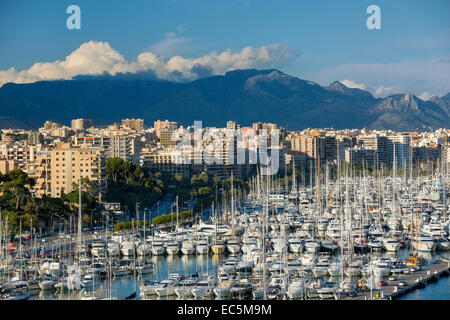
<point x="417" y="279"/>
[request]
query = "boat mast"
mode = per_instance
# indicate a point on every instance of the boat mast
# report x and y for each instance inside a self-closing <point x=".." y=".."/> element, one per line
<point x="232" y="205"/>
<point x="79" y="215"/>
<point x="177" y="216"/>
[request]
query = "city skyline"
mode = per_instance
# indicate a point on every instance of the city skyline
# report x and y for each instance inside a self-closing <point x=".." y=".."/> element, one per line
<point x="234" y="151"/>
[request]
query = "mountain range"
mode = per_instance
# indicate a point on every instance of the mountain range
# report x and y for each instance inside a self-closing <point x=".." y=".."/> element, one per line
<point x="245" y="96"/>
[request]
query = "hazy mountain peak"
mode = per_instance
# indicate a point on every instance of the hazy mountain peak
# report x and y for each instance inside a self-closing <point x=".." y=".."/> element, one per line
<point x="338" y="86"/>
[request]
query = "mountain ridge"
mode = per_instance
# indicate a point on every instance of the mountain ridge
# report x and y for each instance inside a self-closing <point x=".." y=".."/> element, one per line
<point x="245" y="96"/>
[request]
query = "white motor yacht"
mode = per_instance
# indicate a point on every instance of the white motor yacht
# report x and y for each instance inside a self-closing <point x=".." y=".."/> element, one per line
<point x="167" y="287"/>
<point x="223" y="290"/>
<point x="48" y="283"/>
<point x="218" y="247"/>
<point x="391" y="244"/>
<point x="188" y="247"/>
<point x="173" y="247"/>
<point x="204" y="288"/>
<point x="184" y="288"/>
<point x="296" y="290"/>
<point x="424" y="243"/>
<point x="157" y="247"/>
<point x="98" y="248"/>
<point x="202" y="246"/>
<point x="233" y="246"/>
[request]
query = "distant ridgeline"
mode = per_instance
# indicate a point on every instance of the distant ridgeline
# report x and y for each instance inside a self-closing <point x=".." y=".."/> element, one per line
<point x="245" y="96"/>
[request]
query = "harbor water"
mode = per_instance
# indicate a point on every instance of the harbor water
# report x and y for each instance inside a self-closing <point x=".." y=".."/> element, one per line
<point x="125" y="286"/>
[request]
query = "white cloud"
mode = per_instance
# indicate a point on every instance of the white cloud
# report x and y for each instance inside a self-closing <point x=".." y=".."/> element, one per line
<point x="181" y="28"/>
<point x="425" y="96"/>
<point x="383" y="79"/>
<point x="170" y="44"/>
<point x="170" y="34"/>
<point x="383" y="91"/>
<point x="352" y="84"/>
<point x="95" y="58"/>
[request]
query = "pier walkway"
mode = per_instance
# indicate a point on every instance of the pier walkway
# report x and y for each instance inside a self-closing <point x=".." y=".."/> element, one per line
<point x="414" y="280"/>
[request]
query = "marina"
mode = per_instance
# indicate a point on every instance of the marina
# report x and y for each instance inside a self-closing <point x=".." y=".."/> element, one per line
<point x="355" y="238"/>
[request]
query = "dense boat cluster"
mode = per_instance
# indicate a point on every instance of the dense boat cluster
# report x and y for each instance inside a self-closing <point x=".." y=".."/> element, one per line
<point x="324" y="241"/>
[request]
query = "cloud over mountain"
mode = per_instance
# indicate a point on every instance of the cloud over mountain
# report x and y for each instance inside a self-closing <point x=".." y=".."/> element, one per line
<point x="96" y="58"/>
<point x="352" y="84"/>
<point x="430" y="77"/>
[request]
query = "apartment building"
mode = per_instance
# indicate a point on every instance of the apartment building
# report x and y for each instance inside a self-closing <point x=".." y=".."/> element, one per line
<point x="8" y="165"/>
<point x="133" y="124"/>
<point x="162" y="160"/>
<point x="49" y="125"/>
<point x="15" y="155"/>
<point x="269" y="127"/>
<point x="160" y="125"/>
<point x="217" y="158"/>
<point x="401" y="149"/>
<point x="166" y="137"/>
<point x="114" y="143"/>
<point x="382" y="145"/>
<point x="39" y="168"/>
<point x="81" y="124"/>
<point x="310" y="144"/>
<point x="69" y="162"/>
<point x="8" y="138"/>
<point x="390" y="148"/>
<point x="359" y="154"/>
<point x="35" y="138"/>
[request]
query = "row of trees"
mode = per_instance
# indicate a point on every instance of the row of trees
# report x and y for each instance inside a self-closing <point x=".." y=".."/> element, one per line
<point x="19" y="206"/>
<point x="16" y="201"/>
<point x="125" y="225"/>
<point x="172" y="217"/>
<point x="130" y="184"/>
<point x="205" y="189"/>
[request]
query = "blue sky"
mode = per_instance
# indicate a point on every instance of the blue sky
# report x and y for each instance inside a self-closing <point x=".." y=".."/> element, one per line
<point x="322" y="41"/>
